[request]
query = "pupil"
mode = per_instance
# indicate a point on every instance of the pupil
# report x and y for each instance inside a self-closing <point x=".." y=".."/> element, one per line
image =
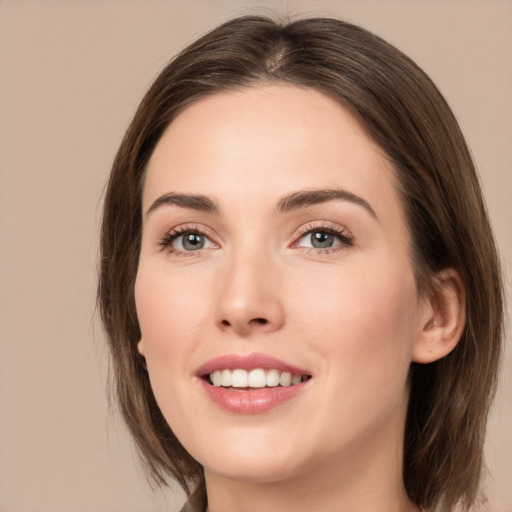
<point x="193" y="242"/>
<point x="321" y="240"/>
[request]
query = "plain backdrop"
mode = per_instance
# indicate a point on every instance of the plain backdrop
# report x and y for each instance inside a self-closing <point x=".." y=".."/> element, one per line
<point x="71" y="76"/>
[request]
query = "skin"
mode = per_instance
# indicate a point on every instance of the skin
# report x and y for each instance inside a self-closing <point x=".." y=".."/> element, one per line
<point x="350" y="314"/>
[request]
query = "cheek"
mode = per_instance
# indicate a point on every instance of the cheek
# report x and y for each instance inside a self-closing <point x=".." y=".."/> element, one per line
<point x="170" y="314"/>
<point x="363" y="320"/>
<point x="171" y="311"/>
<point x="362" y="326"/>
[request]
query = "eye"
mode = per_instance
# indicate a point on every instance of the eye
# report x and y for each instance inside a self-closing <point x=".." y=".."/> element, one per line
<point x="190" y="242"/>
<point x="319" y="240"/>
<point x="324" y="238"/>
<point x="185" y="239"/>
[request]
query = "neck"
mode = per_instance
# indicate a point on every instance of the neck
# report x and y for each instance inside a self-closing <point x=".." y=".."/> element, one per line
<point x="306" y="495"/>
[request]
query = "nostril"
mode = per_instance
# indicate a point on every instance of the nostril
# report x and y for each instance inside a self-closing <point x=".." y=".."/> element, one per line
<point x="243" y="325"/>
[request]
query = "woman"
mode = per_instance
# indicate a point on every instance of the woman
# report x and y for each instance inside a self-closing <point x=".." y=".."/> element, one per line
<point x="299" y="282"/>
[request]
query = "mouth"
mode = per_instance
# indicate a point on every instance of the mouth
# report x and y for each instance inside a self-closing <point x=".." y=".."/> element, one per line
<point x="253" y="383"/>
<point x="257" y="378"/>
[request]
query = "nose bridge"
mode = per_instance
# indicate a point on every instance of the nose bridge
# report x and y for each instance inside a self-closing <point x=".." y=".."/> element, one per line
<point x="249" y="297"/>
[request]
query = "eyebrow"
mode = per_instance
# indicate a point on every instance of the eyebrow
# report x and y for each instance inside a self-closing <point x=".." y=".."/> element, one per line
<point x="306" y="198"/>
<point x="294" y="201"/>
<point x="193" y="202"/>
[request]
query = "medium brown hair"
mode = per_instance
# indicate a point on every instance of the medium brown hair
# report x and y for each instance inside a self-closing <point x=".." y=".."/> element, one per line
<point x="404" y="113"/>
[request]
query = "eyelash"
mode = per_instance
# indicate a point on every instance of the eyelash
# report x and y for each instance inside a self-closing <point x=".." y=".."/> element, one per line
<point x="343" y="235"/>
<point x="165" y="242"/>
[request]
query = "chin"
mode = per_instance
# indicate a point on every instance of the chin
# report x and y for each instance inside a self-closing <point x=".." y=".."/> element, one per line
<point x="255" y="469"/>
<point x="251" y="456"/>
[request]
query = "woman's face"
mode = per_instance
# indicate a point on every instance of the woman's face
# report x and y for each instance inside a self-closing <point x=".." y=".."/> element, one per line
<point x="275" y="249"/>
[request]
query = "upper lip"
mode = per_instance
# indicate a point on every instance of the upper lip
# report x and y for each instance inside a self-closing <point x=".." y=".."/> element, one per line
<point x="248" y="362"/>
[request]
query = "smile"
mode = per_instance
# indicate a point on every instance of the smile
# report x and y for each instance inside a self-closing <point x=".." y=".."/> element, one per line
<point x="251" y="384"/>
<point x="257" y="378"/>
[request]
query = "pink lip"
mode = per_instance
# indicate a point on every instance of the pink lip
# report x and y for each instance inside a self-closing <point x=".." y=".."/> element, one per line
<point x="248" y="362"/>
<point x="249" y="401"/>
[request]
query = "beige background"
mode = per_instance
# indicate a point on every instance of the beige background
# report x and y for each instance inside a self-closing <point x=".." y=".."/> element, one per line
<point x="72" y="73"/>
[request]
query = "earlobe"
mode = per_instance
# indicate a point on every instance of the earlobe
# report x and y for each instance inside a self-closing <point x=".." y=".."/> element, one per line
<point x="140" y="347"/>
<point x="443" y="318"/>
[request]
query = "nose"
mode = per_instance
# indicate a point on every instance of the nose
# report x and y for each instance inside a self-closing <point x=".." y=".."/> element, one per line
<point x="250" y="296"/>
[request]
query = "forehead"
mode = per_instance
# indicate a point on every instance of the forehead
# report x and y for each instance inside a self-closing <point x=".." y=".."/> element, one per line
<point x="268" y="137"/>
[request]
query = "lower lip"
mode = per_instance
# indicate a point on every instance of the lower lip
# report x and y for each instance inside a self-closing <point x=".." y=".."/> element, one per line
<point x="251" y="401"/>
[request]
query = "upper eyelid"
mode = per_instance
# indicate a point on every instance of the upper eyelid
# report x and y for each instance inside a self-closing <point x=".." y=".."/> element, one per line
<point x="168" y="235"/>
<point x="345" y="236"/>
<point x="181" y="229"/>
<point x="174" y="232"/>
<point x="323" y="225"/>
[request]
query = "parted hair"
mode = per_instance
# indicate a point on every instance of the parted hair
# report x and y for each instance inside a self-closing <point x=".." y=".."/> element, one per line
<point x="404" y="113"/>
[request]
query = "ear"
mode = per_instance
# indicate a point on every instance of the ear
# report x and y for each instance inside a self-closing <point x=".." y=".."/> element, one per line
<point x="443" y="318"/>
<point x="140" y="347"/>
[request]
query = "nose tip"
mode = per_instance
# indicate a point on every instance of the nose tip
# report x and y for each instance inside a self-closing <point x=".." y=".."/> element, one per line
<point x="250" y="301"/>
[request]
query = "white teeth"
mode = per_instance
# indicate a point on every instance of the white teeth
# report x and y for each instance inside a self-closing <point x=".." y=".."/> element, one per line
<point x="285" y="379"/>
<point x="272" y="378"/>
<point x="217" y="378"/>
<point x="226" y="378"/>
<point x="257" y="378"/>
<point x="239" y="379"/>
